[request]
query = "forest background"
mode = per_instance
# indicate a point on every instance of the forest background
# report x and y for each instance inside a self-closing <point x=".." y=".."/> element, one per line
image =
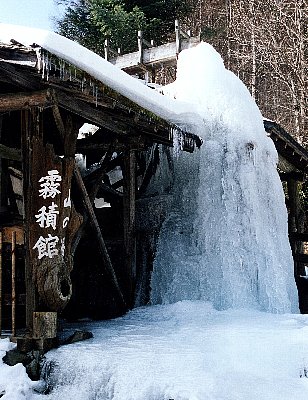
<point x="264" y="42"/>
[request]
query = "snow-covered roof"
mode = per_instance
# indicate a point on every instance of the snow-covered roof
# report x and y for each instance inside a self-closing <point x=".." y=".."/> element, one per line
<point x="167" y="108"/>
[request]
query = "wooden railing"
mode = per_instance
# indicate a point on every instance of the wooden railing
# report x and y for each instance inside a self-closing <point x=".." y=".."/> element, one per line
<point x="8" y="290"/>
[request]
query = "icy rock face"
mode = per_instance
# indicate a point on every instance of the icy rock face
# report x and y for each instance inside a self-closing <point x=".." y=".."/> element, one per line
<point x="226" y="240"/>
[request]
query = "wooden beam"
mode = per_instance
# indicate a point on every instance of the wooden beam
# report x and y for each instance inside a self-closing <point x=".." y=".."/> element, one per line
<point x="129" y="211"/>
<point x="10" y="153"/>
<point x="13" y="75"/>
<point x="100" y="239"/>
<point x="300" y="237"/>
<point x="295" y="221"/>
<point x="24" y="101"/>
<point x="116" y="120"/>
<point x="153" y="56"/>
<point x="100" y="172"/>
<point x="90" y="113"/>
<point x="301" y="258"/>
<point x="28" y="129"/>
<point x="0" y="283"/>
<point x="297" y="176"/>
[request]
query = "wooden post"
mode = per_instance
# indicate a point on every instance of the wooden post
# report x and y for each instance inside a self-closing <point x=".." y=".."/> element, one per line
<point x="13" y="283"/>
<point x="44" y="325"/>
<point x="140" y="47"/>
<point x="0" y="283"/>
<point x="177" y="37"/>
<point x="129" y="194"/>
<point x="106" y="49"/>
<point x="2" y="202"/>
<point x="295" y="220"/>
<point x="27" y="124"/>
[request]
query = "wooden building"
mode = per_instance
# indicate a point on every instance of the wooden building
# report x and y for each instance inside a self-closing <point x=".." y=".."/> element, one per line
<point x="51" y="231"/>
<point x="59" y="252"/>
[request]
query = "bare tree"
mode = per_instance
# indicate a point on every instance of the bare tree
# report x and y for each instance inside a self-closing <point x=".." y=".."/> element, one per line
<point x="265" y="43"/>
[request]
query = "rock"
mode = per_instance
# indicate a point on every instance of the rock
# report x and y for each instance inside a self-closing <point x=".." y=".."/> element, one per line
<point x="13" y="357"/>
<point x="30" y="360"/>
<point x="77" y="336"/>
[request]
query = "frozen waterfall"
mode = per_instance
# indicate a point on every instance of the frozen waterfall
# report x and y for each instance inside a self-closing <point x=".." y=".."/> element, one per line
<point x="226" y="240"/>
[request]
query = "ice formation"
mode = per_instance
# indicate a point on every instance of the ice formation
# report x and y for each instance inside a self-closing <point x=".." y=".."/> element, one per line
<point x="226" y="239"/>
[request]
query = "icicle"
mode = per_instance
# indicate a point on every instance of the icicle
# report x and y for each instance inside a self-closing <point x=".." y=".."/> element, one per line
<point x="47" y="67"/>
<point x="43" y="66"/>
<point x="177" y="141"/>
<point x="96" y="94"/>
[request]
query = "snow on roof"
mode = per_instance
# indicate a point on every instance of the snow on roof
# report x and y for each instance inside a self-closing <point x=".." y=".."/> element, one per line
<point x="167" y="108"/>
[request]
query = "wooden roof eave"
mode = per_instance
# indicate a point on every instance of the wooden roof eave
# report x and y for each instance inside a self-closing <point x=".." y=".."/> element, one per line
<point x="101" y="113"/>
<point x="292" y="156"/>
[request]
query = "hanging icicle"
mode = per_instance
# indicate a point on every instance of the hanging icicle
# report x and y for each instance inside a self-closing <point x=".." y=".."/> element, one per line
<point x="96" y="95"/>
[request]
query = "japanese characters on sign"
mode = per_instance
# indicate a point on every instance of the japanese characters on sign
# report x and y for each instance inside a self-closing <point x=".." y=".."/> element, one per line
<point x="47" y="216"/>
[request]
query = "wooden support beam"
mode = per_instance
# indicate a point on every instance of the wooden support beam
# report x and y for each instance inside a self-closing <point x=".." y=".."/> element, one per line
<point x="13" y="244"/>
<point x="24" y="101"/>
<point x="68" y="130"/>
<point x="301" y="258"/>
<point x="10" y="153"/>
<point x="100" y="172"/>
<point x="0" y="283"/>
<point x="91" y="113"/>
<point x="294" y="204"/>
<point x="297" y="176"/>
<point x="1" y="172"/>
<point x="11" y="74"/>
<point x="29" y="126"/>
<point x="295" y="222"/>
<point x="100" y="239"/>
<point x="140" y="47"/>
<point x="301" y="237"/>
<point x="129" y="211"/>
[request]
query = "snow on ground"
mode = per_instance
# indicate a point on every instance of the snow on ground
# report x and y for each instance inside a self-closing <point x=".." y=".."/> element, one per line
<point x="14" y="381"/>
<point x="182" y="351"/>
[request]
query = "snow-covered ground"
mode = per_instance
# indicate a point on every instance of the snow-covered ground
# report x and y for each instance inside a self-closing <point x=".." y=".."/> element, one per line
<point x="182" y="351"/>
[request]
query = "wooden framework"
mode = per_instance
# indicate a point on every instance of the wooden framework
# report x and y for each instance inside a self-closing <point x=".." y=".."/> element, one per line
<point x="42" y="107"/>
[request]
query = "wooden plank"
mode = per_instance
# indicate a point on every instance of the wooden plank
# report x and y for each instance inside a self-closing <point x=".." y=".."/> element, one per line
<point x="153" y="56"/>
<point x="129" y="211"/>
<point x="302" y="258"/>
<point x="297" y="176"/>
<point x="301" y="237"/>
<point x="24" y="101"/>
